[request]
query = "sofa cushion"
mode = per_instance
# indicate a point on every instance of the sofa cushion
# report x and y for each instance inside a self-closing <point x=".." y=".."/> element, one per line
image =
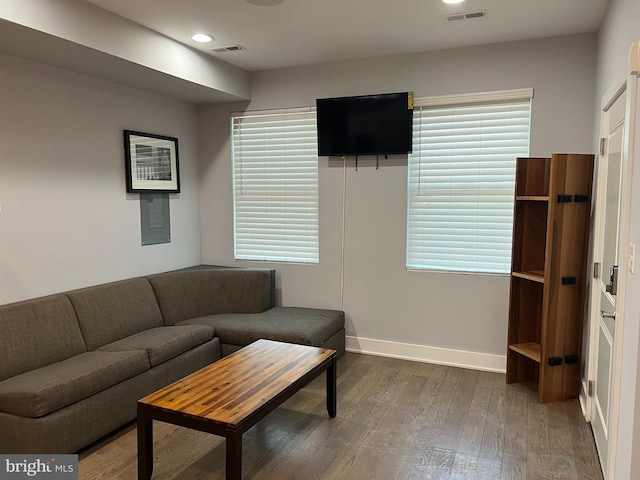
<point x="163" y="343"/>
<point x="36" y="333"/>
<point x="305" y="326"/>
<point x="113" y="311"/>
<point x="196" y="293"/>
<point x="47" y="389"/>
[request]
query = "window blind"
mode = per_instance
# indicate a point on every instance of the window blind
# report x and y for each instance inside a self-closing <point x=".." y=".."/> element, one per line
<point x="461" y="182"/>
<point x="275" y="174"/>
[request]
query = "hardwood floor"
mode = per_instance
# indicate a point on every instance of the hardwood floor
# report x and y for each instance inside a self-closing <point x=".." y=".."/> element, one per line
<point x="396" y="420"/>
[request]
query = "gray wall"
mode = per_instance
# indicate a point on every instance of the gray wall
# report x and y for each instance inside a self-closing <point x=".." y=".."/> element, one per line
<point x="381" y="299"/>
<point x="618" y="30"/>
<point x="66" y="219"/>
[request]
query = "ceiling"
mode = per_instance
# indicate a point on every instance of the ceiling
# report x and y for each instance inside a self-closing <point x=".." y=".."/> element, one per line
<point x="287" y="33"/>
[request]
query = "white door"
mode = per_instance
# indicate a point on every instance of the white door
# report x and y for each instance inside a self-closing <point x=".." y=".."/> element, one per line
<point x="604" y="289"/>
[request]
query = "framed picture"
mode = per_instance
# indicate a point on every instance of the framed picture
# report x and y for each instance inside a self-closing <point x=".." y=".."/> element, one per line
<point x="151" y="162"/>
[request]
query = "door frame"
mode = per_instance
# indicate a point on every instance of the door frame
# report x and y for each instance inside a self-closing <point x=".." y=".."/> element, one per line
<point x="628" y="83"/>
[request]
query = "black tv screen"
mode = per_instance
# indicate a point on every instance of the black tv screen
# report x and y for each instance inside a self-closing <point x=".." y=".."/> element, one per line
<point x="365" y="125"/>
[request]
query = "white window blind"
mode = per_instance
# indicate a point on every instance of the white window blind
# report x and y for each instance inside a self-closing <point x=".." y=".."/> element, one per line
<point x="461" y="180"/>
<point x="275" y="174"/>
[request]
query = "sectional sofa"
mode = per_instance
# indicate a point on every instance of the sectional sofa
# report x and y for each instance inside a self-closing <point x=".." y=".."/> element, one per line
<point x="72" y="365"/>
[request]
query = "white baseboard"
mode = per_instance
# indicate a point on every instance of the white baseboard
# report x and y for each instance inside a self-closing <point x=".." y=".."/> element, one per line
<point x="423" y="353"/>
<point x="583" y="397"/>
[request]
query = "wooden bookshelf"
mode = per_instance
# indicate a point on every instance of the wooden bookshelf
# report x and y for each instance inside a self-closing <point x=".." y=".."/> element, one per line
<point x="548" y="273"/>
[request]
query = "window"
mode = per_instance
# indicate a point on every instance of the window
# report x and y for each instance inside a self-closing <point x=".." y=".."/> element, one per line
<point x="275" y="183"/>
<point x="461" y="180"/>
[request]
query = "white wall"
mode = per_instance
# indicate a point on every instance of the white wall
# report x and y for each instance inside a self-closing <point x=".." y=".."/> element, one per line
<point x="382" y="300"/>
<point x="66" y="219"/>
<point x="618" y="31"/>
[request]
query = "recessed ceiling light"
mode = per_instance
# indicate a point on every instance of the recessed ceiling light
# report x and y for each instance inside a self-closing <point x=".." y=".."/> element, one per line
<point x="201" y="38"/>
<point x="453" y="1"/>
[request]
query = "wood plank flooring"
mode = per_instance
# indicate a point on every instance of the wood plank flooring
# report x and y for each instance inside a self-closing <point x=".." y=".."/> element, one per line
<point x="396" y="420"/>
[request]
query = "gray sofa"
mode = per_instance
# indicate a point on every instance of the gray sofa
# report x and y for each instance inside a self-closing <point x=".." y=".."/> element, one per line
<point x="72" y="365"/>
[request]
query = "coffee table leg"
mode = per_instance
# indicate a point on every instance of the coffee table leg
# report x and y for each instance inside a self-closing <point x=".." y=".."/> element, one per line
<point x="145" y="445"/>
<point x="332" y="375"/>
<point x="234" y="456"/>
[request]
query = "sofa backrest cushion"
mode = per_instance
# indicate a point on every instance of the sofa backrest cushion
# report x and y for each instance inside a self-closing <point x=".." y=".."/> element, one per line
<point x="188" y="294"/>
<point x="110" y="312"/>
<point x="37" y="332"/>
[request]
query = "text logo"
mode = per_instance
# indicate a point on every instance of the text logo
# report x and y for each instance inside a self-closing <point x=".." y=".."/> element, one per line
<point x="50" y="467"/>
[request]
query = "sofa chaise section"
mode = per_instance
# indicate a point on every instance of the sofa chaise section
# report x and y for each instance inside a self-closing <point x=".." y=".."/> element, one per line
<point x="240" y="305"/>
<point x="305" y="326"/>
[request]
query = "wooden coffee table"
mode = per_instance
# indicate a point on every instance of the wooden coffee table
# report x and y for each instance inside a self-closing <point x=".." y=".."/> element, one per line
<point x="231" y="395"/>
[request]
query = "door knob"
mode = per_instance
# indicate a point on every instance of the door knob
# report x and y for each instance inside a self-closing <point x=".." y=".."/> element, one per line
<point x="608" y="315"/>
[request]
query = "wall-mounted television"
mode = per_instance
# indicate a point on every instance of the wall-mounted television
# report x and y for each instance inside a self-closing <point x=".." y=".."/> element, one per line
<point x="365" y="125"/>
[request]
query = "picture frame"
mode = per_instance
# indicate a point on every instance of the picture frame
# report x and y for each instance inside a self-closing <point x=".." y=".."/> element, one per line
<point x="151" y="163"/>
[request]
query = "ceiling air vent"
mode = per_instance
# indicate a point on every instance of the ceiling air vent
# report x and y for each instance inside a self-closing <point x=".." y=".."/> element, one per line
<point x="454" y="17"/>
<point x="230" y="48"/>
